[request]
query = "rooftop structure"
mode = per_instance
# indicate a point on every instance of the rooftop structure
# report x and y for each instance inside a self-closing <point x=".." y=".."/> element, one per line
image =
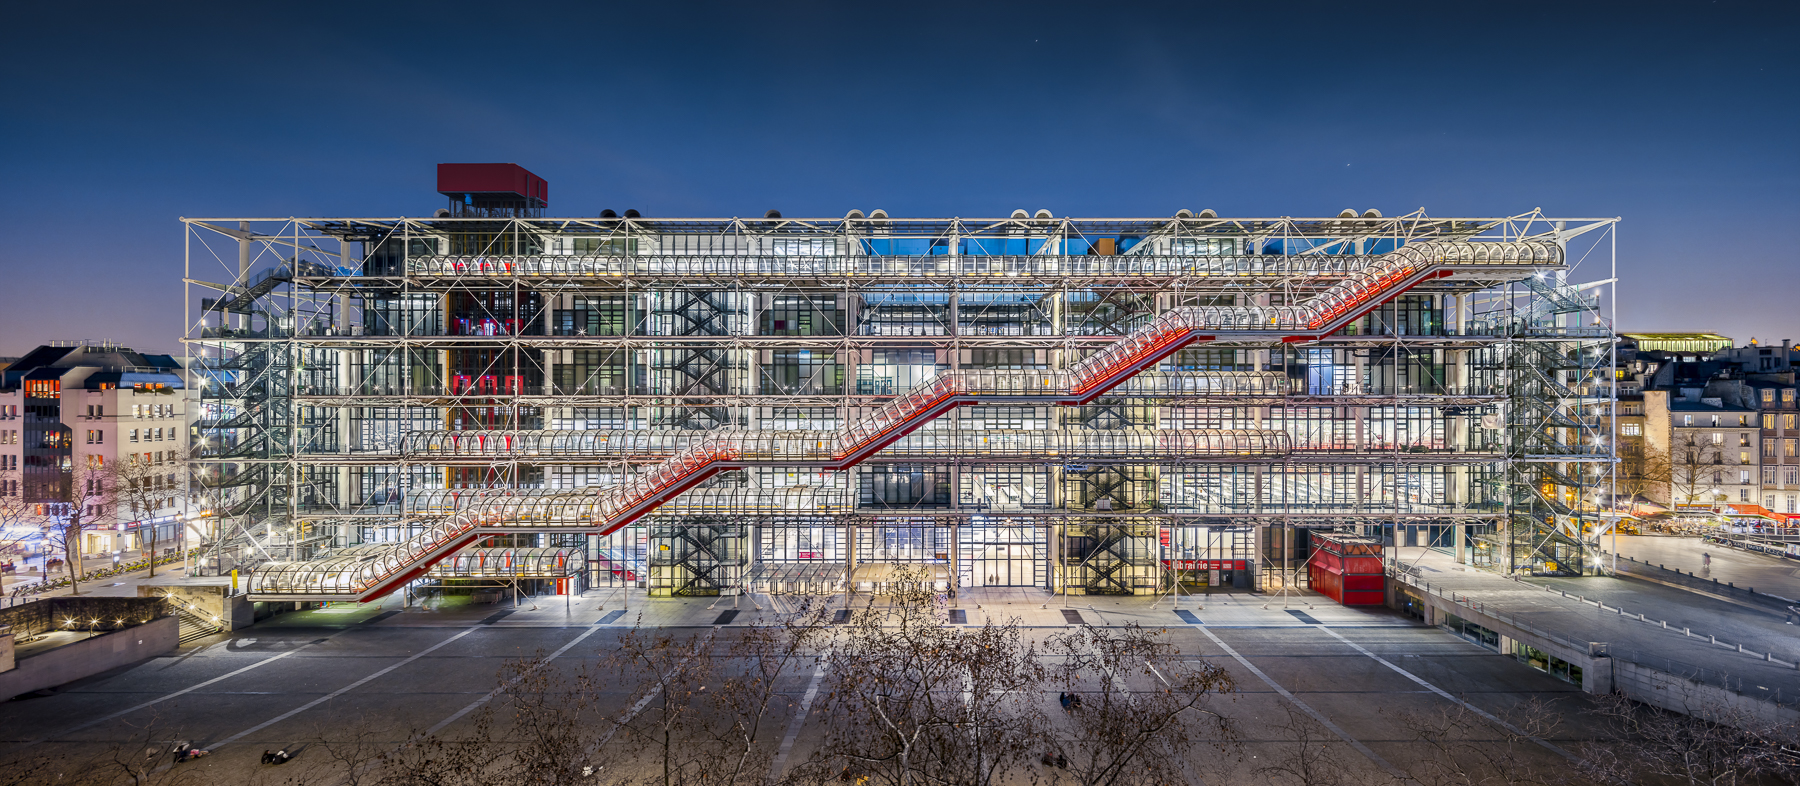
<point x="1678" y="342"/>
<point x="1108" y="405"/>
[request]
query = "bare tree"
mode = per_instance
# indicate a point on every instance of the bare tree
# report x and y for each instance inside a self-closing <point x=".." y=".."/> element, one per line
<point x="1133" y="706"/>
<point x="1644" y="473"/>
<point x="79" y="500"/>
<point x="557" y="725"/>
<point x="1467" y="749"/>
<point x="1307" y="755"/>
<point x="751" y="698"/>
<point x="15" y="513"/>
<point x="661" y="730"/>
<point x="141" y="487"/>
<point x="472" y="758"/>
<point x="1712" y="743"/>
<point x="913" y="701"/>
<point x="1692" y="464"/>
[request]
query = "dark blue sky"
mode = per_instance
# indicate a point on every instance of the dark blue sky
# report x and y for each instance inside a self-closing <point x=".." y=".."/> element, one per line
<point x="1681" y="117"/>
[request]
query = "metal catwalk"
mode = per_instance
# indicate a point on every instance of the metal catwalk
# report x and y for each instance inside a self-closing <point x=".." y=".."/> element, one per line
<point x="1352" y="294"/>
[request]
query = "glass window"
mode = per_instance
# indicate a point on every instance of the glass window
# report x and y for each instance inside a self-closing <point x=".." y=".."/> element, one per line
<point x="1768" y="395"/>
<point x="1717" y="437"/>
<point x="1787" y="421"/>
<point x="1687" y="420"/>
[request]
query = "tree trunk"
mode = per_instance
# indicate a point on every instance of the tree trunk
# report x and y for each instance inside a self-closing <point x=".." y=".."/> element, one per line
<point x="72" y="556"/>
<point x="147" y="545"/>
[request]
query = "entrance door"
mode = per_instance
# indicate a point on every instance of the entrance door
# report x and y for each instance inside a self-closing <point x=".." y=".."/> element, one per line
<point x="997" y="556"/>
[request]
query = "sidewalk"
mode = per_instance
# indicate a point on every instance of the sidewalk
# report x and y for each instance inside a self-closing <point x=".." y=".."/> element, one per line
<point x="1769" y="574"/>
<point x="112" y="586"/>
<point x="1609" y="614"/>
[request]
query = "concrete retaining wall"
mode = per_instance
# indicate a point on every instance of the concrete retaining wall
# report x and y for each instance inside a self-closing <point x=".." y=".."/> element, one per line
<point x="88" y="657"/>
<point x="1670" y="692"/>
<point x="1596" y="672"/>
<point x="1635" y="681"/>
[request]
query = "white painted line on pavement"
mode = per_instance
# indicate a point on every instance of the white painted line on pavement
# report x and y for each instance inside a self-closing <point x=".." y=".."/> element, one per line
<point x="495" y="692"/>
<point x="186" y="690"/>
<point x="341" y="691"/>
<point x="1307" y="708"/>
<point x="1490" y="717"/>
<point x="778" y="767"/>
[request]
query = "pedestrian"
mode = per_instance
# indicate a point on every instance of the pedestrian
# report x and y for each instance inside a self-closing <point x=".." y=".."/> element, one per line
<point x="1705" y="559"/>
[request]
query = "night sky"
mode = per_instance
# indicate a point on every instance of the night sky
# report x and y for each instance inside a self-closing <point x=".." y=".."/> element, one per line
<point x="1681" y="117"/>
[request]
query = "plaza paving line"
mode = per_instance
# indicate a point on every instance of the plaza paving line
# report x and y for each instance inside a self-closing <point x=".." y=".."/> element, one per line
<point x="1490" y="717"/>
<point x="1308" y="709"/>
<point x="778" y="767"/>
<point x="476" y="704"/>
<point x="166" y="697"/>
<point x="341" y="691"/>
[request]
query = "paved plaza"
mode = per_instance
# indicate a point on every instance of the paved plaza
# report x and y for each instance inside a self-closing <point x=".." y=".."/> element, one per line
<point x="379" y="672"/>
<point x="382" y="672"/>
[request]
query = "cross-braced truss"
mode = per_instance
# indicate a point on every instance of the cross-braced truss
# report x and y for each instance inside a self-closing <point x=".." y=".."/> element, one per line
<point x="1479" y="400"/>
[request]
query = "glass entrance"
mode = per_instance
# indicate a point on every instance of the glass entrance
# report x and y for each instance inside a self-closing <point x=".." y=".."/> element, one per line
<point x="1003" y="556"/>
<point x="1208" y="558"/>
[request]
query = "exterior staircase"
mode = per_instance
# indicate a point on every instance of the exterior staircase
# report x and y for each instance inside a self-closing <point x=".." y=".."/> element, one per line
<point x="366" y="576"/>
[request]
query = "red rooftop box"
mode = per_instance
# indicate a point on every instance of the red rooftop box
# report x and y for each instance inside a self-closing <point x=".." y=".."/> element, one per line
<point x="497" y="179"/>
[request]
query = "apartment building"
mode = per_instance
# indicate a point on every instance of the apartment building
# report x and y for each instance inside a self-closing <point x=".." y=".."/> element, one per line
<point x="74" y="410"/>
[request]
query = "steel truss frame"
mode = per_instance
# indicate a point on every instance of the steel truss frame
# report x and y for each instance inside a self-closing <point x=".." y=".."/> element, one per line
<point x="297" y="426"/>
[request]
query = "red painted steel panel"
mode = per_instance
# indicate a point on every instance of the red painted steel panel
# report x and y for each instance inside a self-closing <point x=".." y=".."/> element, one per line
<point x="1365" y="583"/>
<point x="491" y="179"/>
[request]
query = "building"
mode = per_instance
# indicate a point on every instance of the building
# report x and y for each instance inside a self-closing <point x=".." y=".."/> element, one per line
<point x="780" y="404"/>
<point x="1732" y="408"/>
<point x="1768" y="373"/>
<point x="97" y="406"/>
<point x="1709" y="441"/>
